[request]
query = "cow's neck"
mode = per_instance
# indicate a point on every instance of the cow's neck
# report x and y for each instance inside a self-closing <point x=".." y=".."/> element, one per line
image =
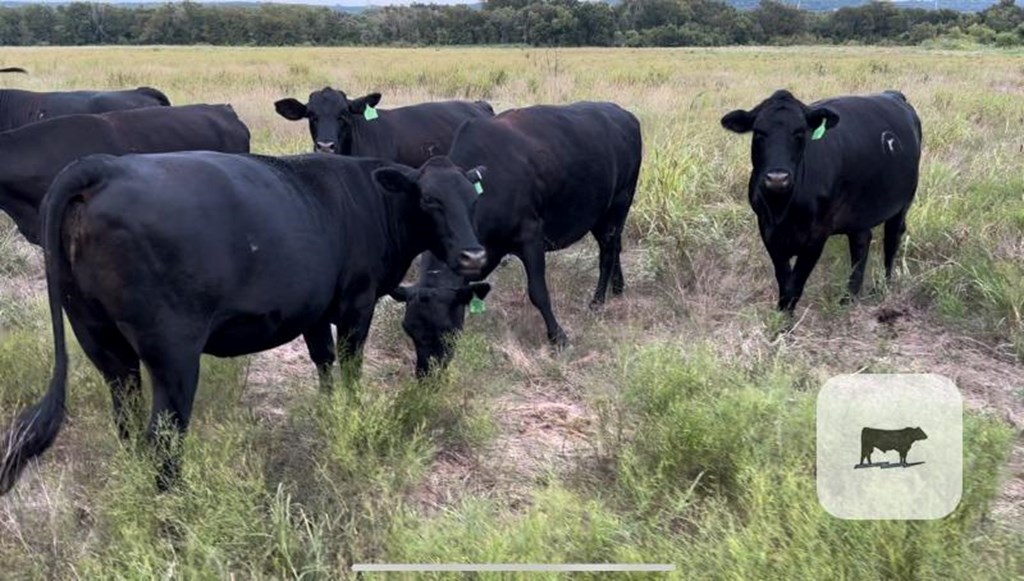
<point x="22" y="184"/>
<point x="345" y="147"/>
<point x="791" y="219"/>
<point x="372" y="142"/>
<point x="404" y="240"/>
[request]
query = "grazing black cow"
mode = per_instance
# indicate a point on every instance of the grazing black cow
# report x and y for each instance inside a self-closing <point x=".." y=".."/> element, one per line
<point x="30" y="157"/>
<point x="838" y="166"/>
<point x="436" y="310"/>
<point x="885" y="440"/>
<point x="160" y="258"/>
<point x="406" y="135"/>
<point x="18" y="107"/>
<point x="555" y="173"/>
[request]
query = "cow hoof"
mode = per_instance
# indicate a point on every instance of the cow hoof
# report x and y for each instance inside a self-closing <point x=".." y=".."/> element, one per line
<point x="560" y="341"/>
<point x="595" y="305"/>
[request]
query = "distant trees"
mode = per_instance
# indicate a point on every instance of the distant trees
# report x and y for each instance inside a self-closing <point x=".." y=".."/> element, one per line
<point x="534" y="22"/>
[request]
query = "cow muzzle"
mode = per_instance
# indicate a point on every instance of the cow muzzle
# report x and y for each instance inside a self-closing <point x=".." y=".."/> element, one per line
<point x="778" y="181"/>
<point x="326" y="147"/>
<point x="471" y="262"/>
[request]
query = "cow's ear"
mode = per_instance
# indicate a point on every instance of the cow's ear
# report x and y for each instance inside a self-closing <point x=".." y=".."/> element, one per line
<point x="814" y="117"/>
<point x="480" y="289"/>
<point x="739" y="121"/>
<point x="397" y="178"/>
<point x="466" y="293"/>
<point x="359" y="105"/>
<point x="291" y="109"/>
<point x="476" y="174"/>
<point x="400" y="294"/>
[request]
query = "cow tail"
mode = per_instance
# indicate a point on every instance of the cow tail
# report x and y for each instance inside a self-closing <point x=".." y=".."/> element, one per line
<point x="35" y="429"/>
<point x="156" y="94"/>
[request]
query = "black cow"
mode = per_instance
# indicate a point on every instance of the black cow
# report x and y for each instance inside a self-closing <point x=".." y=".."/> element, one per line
<point x="885" y="440"/>
<point x="838" y="166"/>
<point x="160" y="258"/>
<point x="555" y="173"/>
<point x="18" y="107"/>
<point x="407" y="135"/>
<point x="436" y="310"/>
<point x="13" y="70"/>
<point x="30" y="157"/>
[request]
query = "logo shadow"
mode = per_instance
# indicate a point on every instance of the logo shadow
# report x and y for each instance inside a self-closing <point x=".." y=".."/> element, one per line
<point x="885" y="465"/>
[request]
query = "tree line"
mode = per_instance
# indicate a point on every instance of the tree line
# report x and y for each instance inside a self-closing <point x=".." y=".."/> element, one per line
<point x="633" y="23"/>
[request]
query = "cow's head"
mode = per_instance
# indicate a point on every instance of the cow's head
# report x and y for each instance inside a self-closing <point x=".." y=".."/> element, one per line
<point x="435" y="310"/>
<point x="331" y="116"/>
<point x="439" y="200"/>
<point x="919" y="434"/>
<point x="782" y="127"/>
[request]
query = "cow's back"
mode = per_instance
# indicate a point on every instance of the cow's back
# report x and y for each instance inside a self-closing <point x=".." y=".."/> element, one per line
<point x="188" y="127"/>
<point x="20" y="107"/>
<point x="412" y="135"/>
<point x="872" y="156"/>
<point x="565" y="163"/>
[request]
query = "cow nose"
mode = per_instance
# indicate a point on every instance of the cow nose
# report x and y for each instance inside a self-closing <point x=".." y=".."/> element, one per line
<point x="325" y="146"/>
<point x="777" y="180"/>
<point x="472" y="259"/>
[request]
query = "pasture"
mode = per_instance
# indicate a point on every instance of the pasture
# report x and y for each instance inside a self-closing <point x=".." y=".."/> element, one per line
<point x="679" y="425"/>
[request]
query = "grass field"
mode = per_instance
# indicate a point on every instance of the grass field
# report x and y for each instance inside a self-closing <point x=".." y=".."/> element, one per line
<point x="678" y="428"/>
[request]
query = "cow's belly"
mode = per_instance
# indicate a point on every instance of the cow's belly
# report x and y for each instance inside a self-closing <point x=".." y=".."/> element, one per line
<point x="243" y="334"/>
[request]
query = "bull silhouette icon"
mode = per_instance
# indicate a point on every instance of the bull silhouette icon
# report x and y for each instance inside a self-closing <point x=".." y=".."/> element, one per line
<point x="886" y="440"/>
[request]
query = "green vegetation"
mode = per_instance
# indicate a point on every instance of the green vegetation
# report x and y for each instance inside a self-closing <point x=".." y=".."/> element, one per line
<point x="631" y="23"/>
<point x="678" y="427"/>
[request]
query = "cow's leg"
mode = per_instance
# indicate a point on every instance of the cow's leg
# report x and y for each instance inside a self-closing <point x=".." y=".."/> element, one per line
<point x="805" y="262"/>
<point x="860" y="243"/>
<point x="320" y="344"/>
<point x="894" y="229"/>
<point x="174" y="370"/>
<point x="353" y="328"/>
<point x="615" y="221"/>
<point x="783" y="272"/>
<point x="605" y="236"/>
<point x="117" y="361"/>
<point x="623" y="204"/>
<point x="618" y="281"/>
<point x="533" y="259"/>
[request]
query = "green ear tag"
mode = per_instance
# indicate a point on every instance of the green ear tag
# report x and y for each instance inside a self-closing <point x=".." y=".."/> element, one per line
<point x="477" y="306"/>
<point x="479" y="187"/>
<point x="369" y="113"/>
<point x="820" y="131"/>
